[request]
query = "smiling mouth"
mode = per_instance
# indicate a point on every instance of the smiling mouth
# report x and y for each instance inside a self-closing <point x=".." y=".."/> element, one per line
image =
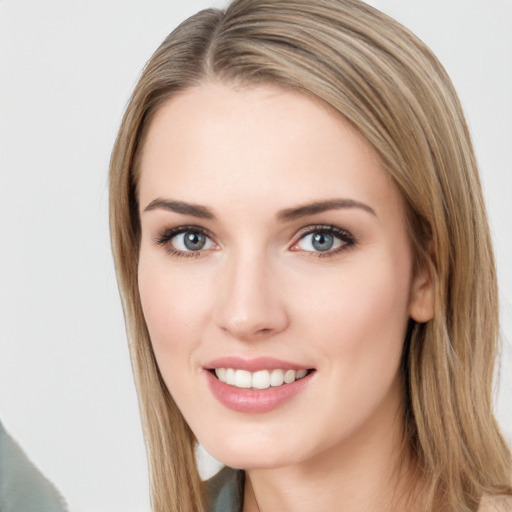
<point x="262" y="379"/>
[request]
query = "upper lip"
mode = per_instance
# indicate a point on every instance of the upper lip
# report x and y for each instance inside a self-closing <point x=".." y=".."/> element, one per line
<point x="253" y="364"/>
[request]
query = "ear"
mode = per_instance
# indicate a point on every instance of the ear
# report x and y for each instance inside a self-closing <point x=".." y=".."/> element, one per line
<point x="421" y="303"/>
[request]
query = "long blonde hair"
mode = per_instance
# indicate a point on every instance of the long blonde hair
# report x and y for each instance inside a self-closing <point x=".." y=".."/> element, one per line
<point x="389" y="85"/>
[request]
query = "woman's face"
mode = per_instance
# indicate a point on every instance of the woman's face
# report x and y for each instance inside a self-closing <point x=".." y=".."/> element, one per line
<point x="274" y="253"/>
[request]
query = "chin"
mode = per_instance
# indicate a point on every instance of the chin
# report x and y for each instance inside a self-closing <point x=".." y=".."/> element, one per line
<point x="255" y="457"/>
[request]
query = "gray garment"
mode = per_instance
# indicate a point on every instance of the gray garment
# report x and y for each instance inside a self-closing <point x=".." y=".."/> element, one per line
<point x="23" y="488"/>
<point x="225" y="491"/>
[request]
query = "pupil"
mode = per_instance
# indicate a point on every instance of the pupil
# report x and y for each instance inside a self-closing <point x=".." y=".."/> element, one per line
<point x="323" y="241"/>
<point x="194" y="241"/>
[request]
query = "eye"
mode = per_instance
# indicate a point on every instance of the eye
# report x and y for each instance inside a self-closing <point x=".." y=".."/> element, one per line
<point x="185" y="241"/>
<point x="190" y="241"/>
<point x="323" y="240"/>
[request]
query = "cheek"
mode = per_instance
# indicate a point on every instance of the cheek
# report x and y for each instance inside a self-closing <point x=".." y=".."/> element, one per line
<point x="358" y="329"/>
<point x="174" y="305"/>
<point x="362" y="319"/>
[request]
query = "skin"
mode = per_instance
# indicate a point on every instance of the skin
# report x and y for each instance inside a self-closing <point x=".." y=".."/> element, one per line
<point x="259" y="289"/>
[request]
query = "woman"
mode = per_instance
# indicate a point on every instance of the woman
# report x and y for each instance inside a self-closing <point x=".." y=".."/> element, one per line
<point x="305" y="266"/>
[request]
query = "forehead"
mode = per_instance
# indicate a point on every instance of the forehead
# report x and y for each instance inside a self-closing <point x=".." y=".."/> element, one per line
<point x="219" y="144"/>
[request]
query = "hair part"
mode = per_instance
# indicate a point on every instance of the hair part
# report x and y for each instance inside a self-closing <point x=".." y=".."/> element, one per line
<point x="394" y="91"/>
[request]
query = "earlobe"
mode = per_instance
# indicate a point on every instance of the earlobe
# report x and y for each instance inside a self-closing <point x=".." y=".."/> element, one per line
<point x="421" y="304"/>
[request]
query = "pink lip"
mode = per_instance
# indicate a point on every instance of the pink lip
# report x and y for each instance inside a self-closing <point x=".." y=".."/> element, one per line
<point x="254" y="364"/>
<point x="254" y="400"/>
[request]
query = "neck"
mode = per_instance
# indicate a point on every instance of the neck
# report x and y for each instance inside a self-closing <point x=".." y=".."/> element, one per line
<point x="370" y="471"/>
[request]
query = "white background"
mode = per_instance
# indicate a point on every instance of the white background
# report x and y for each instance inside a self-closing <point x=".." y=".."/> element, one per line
<point x="67" y="69"/>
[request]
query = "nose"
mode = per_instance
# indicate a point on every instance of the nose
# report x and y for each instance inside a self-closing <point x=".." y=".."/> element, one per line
<point x="251" y="305"/>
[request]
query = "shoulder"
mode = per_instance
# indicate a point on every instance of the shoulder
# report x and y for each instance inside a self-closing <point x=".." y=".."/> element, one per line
<point x="224" y="492"/>
<point x="22" y="485"/>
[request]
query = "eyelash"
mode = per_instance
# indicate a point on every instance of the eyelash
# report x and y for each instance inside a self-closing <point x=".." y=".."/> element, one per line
<point x="347" y="239"/>
<point x="167" y="235"/>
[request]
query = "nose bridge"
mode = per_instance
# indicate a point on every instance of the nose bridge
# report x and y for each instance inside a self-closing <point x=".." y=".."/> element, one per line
<point x="251" y="305"/>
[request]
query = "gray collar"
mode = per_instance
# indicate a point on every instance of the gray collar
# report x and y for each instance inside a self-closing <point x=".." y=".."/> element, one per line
<point x="225" y="491"/>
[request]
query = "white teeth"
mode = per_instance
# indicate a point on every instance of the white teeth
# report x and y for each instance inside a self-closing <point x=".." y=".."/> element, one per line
<point x="300" y="374"/>
<point x="243" y="379"/>
<point x="230" y="376"/>
<point x="221" y="374"/>
<point x="276" y="377"/>
<point x="261" y="379"/>
<point x="289" y="376"/>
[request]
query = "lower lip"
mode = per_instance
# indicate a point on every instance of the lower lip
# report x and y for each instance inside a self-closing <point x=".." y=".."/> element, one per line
<point x="255" y="400"/>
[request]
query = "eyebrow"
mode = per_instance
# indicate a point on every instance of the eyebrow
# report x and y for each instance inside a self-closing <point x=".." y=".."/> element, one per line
<point x="319" y="207"/>
<point x="285" y="215"/>
<point x="194" y="210"/>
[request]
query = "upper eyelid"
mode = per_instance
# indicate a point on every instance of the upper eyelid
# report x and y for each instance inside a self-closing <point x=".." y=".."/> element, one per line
<point x="171" y="232"/>
<point x="164" y="237"/>
<point x="347" y="238"/>
<point x="328" y="228"/>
